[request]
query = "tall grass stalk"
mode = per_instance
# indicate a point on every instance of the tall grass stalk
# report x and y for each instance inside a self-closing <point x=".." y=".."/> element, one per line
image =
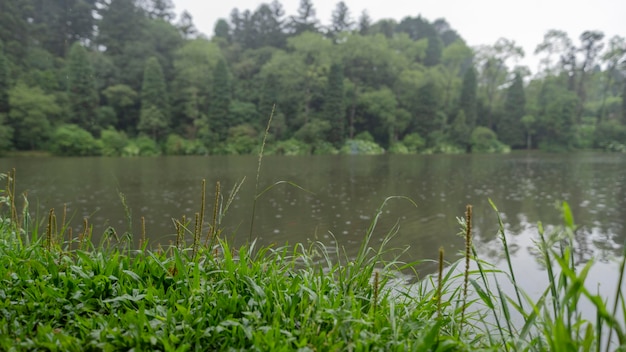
<point x="258" y="172"/>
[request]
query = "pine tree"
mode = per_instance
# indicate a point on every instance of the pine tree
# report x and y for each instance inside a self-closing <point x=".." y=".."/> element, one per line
<point x="624" y="103"/>
<point x="467" y="101"/>
<point x="4" y="81"/>
<point x="333" y="105"/>
<point x="510" y="128"/>
<point x="459" y="131"/>
<point x="426" y="119"/>
<point x="6" y="132"/>
<point x="154" y="115"/>
<point x="220" y="101"/>
<point x="433" y="51"/>
<point x="82" y="94"/>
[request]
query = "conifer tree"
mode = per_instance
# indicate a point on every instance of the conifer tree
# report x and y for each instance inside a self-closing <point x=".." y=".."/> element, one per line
<point x="333" y="105"/>
<point x="433" y="51"/>
<point x="154" y="115"/>
<point x="467" y="101"/>
<point x="6" y="132"/>
<point x="510" y="128"/>
<point x="82" y="94"/>
<point x="4" y="81"/>
<point x="220" y="101"/>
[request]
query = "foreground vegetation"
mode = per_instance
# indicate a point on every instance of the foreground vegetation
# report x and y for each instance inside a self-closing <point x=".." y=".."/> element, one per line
<point x="62" y="292"/>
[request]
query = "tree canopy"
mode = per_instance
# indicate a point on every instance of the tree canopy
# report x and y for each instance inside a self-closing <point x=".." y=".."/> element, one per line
<point x="129" y="71"/>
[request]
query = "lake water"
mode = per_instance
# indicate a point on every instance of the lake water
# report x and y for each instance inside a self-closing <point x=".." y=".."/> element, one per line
<point x="342" y="194"/>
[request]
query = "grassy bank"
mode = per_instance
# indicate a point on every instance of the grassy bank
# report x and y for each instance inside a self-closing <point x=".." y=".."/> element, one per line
<point x="59" y="291"/>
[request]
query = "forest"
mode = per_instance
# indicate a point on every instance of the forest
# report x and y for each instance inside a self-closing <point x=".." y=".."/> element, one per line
<point x="129" y="77"/>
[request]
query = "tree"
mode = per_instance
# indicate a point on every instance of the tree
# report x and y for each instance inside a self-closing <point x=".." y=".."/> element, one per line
<point x="123" y="100"/>
<point x="57" y="24"/>
<point x="121" y="22"/>
<point x="219" y="121"/>
<point x="493" y="73"/>
<point x="161" y="9"/>
<point x="511" y="127"/>
<point x="154" y="115"/>
<point x="615" y="55"/>
<point x="365" y="23"/>
<point x="30" y="116"/>
<point x="185" y="25"/>
<point x="305" y="21"/>
<point x="194" y="65"/>
<point x="467" y="101"/>
<point x="14" y="28"/>
<point x="82" y="95"/>
<point x="333" y="110"/>
<point x="222" y="30"/>
<point x="6" y="132"/>
<point x="340" y="20"/>
<point x="460" y="131"/>
<point x="267" y="24"/>
<point x="433" y="52"/>
<point x="4" y="81"/>
<point x="591" y="45"/>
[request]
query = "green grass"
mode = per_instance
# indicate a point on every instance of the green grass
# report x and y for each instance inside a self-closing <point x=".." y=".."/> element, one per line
<point x="61" y="292"/>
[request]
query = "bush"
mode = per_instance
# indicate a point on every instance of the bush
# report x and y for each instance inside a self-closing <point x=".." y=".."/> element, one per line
<point x="398" y="148"/>
<point x="242" y="139"/>
<point x="324" y="148"/>
<point x="609" y="135"/>
<point x="141" y="146"/>
<point x="177" y="145"/>
<point x="71" y="140"/>
<point x="361" y="147"/>
<point x="113" y="142"/>
<point x="414" y="142"/>
<point x="484" y="140"/>
<point x="291" y="146"/>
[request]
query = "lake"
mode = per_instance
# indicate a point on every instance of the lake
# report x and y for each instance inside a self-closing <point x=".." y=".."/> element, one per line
<point x="337" y="197"/>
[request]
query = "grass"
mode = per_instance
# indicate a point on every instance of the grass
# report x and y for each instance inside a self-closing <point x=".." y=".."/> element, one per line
<point x="61" y="292"/>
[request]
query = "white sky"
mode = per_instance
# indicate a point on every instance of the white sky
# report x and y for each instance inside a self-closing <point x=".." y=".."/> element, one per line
<point x="477" y="21"/>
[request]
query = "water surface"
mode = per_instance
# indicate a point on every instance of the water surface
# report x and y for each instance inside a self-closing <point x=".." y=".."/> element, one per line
<point x="342" y="196"/>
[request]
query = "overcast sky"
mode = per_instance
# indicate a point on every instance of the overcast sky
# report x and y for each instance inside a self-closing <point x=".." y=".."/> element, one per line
<point x="477" y="21"/>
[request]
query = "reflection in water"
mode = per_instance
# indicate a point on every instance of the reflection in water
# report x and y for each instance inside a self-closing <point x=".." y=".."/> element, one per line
<point x="343" y="195"/>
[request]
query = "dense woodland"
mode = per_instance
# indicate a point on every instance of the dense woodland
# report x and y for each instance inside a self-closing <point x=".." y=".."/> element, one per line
<point x="127" y="77"/>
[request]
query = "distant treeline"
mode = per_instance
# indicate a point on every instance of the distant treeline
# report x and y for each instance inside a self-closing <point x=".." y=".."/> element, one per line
<point x="125" y="77"/>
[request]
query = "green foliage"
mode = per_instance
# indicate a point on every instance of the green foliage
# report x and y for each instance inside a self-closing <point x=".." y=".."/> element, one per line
<point x="510" y="126"/>
<point x="113" y="142"/>
<point x="333" y="109"/>
<point x="460" y="131"/>
<point x="610" y="136"/>
<point x="31" y="113"/>
<point x="123" y="99"/>
<point x="398" y="148"/>
<point x="289" y="147"/>
<point x="141" y="146"/>
<point x="154" y="117"/>
<point x="242" y="139"/>
<point x="414" y="142"/>
<point x="314" y="131"/>
<point x="468" y="98"/>
<point x="72" y="140"/>
<point x="6" y="134"/>
<point x="4" y="81"/>
<point x="219" y="115"/>
<point x="81" y="88"/>
<point x="484" y="140"/>
<point x="141" y="73"/>
<point x="361" y="147"/>
<point x="177" y="145"/>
